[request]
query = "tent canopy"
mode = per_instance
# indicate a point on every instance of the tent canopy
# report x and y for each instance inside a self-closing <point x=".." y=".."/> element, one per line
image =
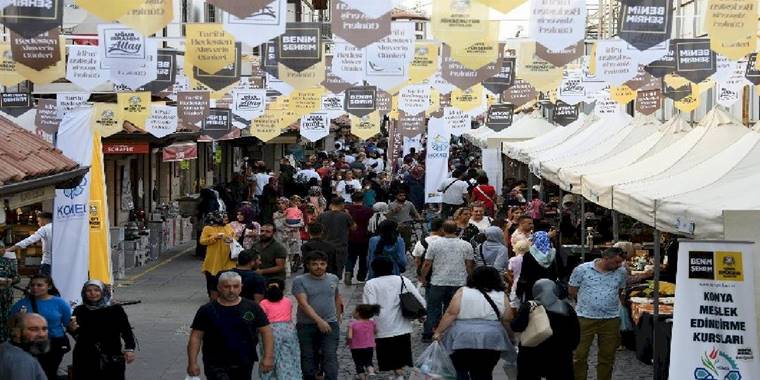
<point x="521" y="151"/>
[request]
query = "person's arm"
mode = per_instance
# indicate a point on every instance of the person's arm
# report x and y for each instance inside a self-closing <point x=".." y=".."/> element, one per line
<point x="267" y="338"/>
<point x="338" y="304"/>
<point x="125" y="329"/>
<point x="416" y="215"/>
<point x="576" y="278"/>
<point x="33" y="238"/>
<point x="401" y="253"/>
<point x="470" y="266"/>
<point x="279" y="266"/>
<point x="572" y="293"/>
<point x="451" y="315"/>
<point x="303" y="303"/>
<point x="207" y="238"/>
<point x="193" y="348"/>
<point x="520" y="322"/>
<point x="508" y="315"/>
<point x="349" y="335"/>
<point x="426" y="268"/>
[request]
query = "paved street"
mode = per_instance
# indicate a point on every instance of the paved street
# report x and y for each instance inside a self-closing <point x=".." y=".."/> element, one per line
<point x="171" y="291"/>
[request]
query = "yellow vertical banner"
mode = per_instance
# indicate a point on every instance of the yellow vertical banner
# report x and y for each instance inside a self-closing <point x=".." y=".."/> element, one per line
<point x="100" y="253"/>
<point x="134" y="107"/>
<point x="425" y="61"/>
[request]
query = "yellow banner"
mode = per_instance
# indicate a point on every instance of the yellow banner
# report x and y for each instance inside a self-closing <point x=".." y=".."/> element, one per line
<point x="503" y="6"/>
<point x="541" y="74"/>
<point x="267" y="126"/>
<point x="48" y="75"/>
<point x="306" y="101"/>
<point x="727" y="20"/>
<point x="109" y="10"/>
<point x="468" y="99"/>
<point x="8" y="74"/>
<point x="134" y="107"/>
<point x="435" y="102"/>
<point x="150" y="17"/>
<point x="622" y="94"/>
<point x="311" y="77"/>
<point x="209" y="47"/>
<point x="366" y="126"/>
<point x="476" y="55"/>
<point x="734" y="49"/>
<point x="689" y="103"/>
<point x="100" y="257"/>
<point x="425" y="61"/>
<point x="106" y="119"/>
<point x="459" y="23"/>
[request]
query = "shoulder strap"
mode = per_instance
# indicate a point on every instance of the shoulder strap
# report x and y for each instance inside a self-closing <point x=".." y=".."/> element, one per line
<point x="484" y="194"/>
<point x="449" y="185"/>
<point x="482" y="257"/>
<point x="403" y="285"/>
<point x="490" y="302"/>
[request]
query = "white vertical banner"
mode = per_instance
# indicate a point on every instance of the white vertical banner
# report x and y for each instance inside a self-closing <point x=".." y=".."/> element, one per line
<point x="71" y="219"/>
<point x="437" y="159"/>
<point x="714" y="312"/>
<point x="492" y="166"/>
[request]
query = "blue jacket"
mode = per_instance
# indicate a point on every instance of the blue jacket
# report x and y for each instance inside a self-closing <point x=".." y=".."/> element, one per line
<point x="397" y="253"/>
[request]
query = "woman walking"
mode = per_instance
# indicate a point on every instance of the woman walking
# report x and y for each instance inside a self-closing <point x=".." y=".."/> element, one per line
<point x="487" y="252"/>
<point x="99" y="329"/>
<point x="473" y="326"/>
<point x="216" y="236"/>
<point x="287" y="353"/>
<point x="246" y="229"/>
<point x="43" y="298"/>
<point x="8" y="277"/>
<point x="538" y="263"/>
<point x="389" y="244"/>
<point x="288" y="221"/>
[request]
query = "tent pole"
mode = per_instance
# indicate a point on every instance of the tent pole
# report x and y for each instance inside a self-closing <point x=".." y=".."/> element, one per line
<point x="559" y="218"/>
<point x="583" y="229"/>
<point x="615" y="226"/>
<point x="656" y="301"/>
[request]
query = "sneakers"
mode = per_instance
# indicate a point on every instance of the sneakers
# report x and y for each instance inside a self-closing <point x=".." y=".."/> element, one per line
<point x="347" y="277"/>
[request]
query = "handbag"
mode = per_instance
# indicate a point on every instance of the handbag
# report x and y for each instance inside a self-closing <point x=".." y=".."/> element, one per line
<point x="235" y="249"/>
<point x="539" y="329"/>
<point x="411" y="307"/>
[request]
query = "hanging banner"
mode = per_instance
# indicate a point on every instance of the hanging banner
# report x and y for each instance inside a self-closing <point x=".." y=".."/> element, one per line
<point x="67" y="101"/>
<point x="223" y="78"/>
<point x="150" y="17"/>
<point x="604" y="105"/>
<point x="541" y="74"/>
<point x="30" y="18"/>
<point x="664" y="65"/>
<point x="436" y="159"/>
<point x="622" y="94"/>
<point x="48" y="75"/>
<point x="504" y="79"/>
<point x="217" y="124"/>
<point x="332" y="105"/>
<point x="503" y="6"/>
<point x="208" y="47"/>
<point x="305" y="101"/>
<point x="441" y="85"/>
<point x="133" y="74"/>
<point x="15" y="103"/>
<point x="106" y="119"/>
<point x="520" y="93"/>
<point x="457" y="121"/>
<point x="97" y="210"/>
<point x="615" y="62"/>
<point x="455" y="73"/>
<point x="348" y="62"/>
<point x="414" y="142"/>
<point x="110" y="11"/>
<point x="731" y="20"/>
<point x="648" y="101"/>
<point x="259" y="27"/>
<point x="8" y="74"/>
<point x="121" y="45"/>
<point x="643" y="81"/>
<point x="690" y="102"/>
<point x="500" y="116"/>
<point x="192" y="107"/>
<point x="372" y="9"/>
<point x="676" y="88"/>
<point x="241" y="8"/>
<point x="356" y="27"/>
<point x="134" y="107"/>
<point x="478" y="54"/>
<point x="315" y="126"/>
<point x="563" y="56"/>
<point x="71" y="240"/>
<point x="47" y="115"/>
<point x="564" y="113"/>
<point x="166" y="72"/>
<point x="267" y="126"/>
<point x="386" y="62"/>
<point x="410" y="125"/>
<point x="727" y="96"/>
<point x="249" y="104"/>
<point x="425" y="62"/>
<point x="414" y="99"/>
<point x="752" y="72"/>
<point x="38" y="52"/>
<point x="180" y="152"/>
<point x="300" y="47"/>
<point x="332" y="82"/>
<point x="469" y="99"/>
<point x="162" y="121"/>
<point x="460" y="23"/>
<point x="557" y="24"/>
<point x="361" y="101"/>
<point x="84" y="67"/>
<point x="645" y="23"/>
<point x="694" y="59"/>
<point x="716" y="312"/>
<point x="366" y="126"/>
<point x="308" y="78"/>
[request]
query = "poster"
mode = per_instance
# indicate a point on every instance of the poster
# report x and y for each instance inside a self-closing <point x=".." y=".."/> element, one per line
<point x="360" y="101"/>
<point x="47" y="115"/>
<point x="217" y="124"/>
<point x="504" y="79"/>
<point x="456" y="120"/>
<point x="386" y="62"/>
<point x="355" y="27"/>
<point x="150" y="17"/>
<point x="249" y="104"/>
<point x="38" y="52"/>
<point x="716" y="315"/>
<point x="300" y="47"/>
<point x="258" y="27"/>
<point x="315" y="126"/>
<point x="241" y="8"/>
<point x="208" y="47"/>
<point x="365" y="126"/>
<point x="557" y="24"/>
<point x="30" y="18"/>
<point x="564" y="113"/>
<point x="373" y="9"/>
<point x="192" y="106"/>
<point x="694" y="59"/>
<point x="500" y="116"/>
<point x="436" y="159"/>
<point x="134" y="107"/>
<point x="645" y="23"/>
<point x="648" y="101"/>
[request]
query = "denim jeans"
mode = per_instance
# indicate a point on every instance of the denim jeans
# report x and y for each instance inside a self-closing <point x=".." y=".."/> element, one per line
<point x="318" y="350"/>
<point x="357" y="252"/>
<point x="437" y="299"/>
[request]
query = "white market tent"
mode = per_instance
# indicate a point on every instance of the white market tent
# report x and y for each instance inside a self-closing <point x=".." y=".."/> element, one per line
<point x="716" y="132"/>
<point x="570" y="178"/>
<point x="478" y="136"/>
<point x="597" y="134"/>
<point x="521" y="150"/>
<point x="528" y="127"/>
<point x="636" y="132"/>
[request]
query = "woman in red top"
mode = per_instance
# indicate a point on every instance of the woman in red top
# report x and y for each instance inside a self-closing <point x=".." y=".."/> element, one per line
<point x="485" y="193"/>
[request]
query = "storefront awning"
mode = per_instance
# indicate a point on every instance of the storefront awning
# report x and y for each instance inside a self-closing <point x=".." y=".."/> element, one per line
<point x="180" y="152"/>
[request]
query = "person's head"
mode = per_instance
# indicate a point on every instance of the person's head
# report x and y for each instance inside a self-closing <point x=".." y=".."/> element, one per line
<point x="521" y="247"/>
<point x="382" y="266"/>
<point x="275" y="290"/>
<point x="457" y="173"/>
<point x="366" y="311"/>
<point x="401" y="196"/>
<point x="44" y="218"/>
<point x="315" y="230"/>
<point x="626" y="246"/>
<point x="357" y="198"/>
<point x="525" y="223"/>
<point x="215" y="218"/>
<point x="230" y="285"/>
<point x="95" y="294"/>
<point x="295" y="201"/>
<point x="494" y="234"/>
<point x="267" y="233"/>
<point x="463" y="214"/>
<point x="380" y="207"/>
<point x="546" y="292"/>
<point x="240" y="217"/>
<point x="249" y="259"/>
<point x="284" y="161"/>
<point x="436" y="226"/>
<point x="450" y="228"/>
<point x="412" y="151"/>
<point x="29" y="331"/>
<point x="418" y="172"/>
<point x="225" y="218"/>
<point x="517" y="212"/>
<point x="349" y="175"/>
<point x="316" y="263"/>
<point x="337" y="204"/>
<point x="283" y="203"/>
<point x="486" y="278"/>
<point x="482" y="180"/>
<point x="478" y="211"/>
<point x="388" y="231"/>
<point x="612" y="258"/>
<point x="40" y="285"/>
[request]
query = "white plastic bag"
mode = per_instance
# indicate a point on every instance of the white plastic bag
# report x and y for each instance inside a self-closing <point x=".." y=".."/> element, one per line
<point x="434" y="363"/>
<point x="235" y="249"/>
<point x="192" y="378"/>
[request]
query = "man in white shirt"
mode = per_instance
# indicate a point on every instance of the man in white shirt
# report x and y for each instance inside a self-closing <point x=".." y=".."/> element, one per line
<point x="262" y="178"/>
<point x="348" y="186"/>
<point x="307" y="173"/>
<point x="375" y="163"/>
<point x="455" y="193"/>
<point x="43" y="234"/>
<point x="420" y="249"/>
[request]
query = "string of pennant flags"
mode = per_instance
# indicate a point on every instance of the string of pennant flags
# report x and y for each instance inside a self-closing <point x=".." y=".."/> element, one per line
<point x="256" y="71"/>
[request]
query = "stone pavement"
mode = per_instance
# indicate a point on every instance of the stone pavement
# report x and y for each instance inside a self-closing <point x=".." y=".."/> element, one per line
<point x="172" y="290"/>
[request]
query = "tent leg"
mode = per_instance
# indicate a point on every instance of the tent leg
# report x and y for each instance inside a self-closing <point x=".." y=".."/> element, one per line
<point x="615" y="226"/>
<point x="583" y="229"/>
<point x="656" y="294"/>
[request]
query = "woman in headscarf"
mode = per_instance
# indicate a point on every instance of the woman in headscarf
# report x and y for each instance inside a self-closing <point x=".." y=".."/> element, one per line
<point x="268" y="200"/>
<point x="8" y="277"/>
<point x="99" y="329"/>
<point x="387" y="243"/>
<point x="286" y="233"/>
<point x="216" y="236"/>
<point x="532" y="361"/>
<point x="246" y="229"/>
<point x="380" y="209"/>
<point x="540" y="262"/>
<point x="488" y="251"/>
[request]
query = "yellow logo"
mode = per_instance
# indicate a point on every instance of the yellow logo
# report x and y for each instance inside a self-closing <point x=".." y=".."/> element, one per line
<point x="728" y="266"/>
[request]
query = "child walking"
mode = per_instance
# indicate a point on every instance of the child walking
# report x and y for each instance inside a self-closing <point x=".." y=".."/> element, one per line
<point x="279" y="311"/>
<point x="361" y="339"/>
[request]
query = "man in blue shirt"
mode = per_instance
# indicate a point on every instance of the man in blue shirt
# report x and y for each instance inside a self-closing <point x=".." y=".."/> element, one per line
<point x="598" y="287"/>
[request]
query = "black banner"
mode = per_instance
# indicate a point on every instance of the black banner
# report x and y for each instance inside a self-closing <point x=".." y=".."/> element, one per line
<point x="300" y="47"/>
<point x="500" y="116"/>
<point x="504" y="79"/>
<point x="217" y="123"/>
<point x="664" y="65"/>
<point x="752" y="73"/>
<point x="270" y="58"/>
<point x="30" y="18"/>
<point x="564" y="113"/>
<point x="676" y="93"/>
<point x="694" y="59"/>
<point x="646" y="23"/>
<point x="15" y="103"/>
<point x="225" y="77"/>
<point x="361" y="101"/>
<point x="166" y="71"/>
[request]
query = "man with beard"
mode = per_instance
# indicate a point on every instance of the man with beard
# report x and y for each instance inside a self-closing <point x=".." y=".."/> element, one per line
<point x="273" y="254"/>
<point x="28" y="337"/>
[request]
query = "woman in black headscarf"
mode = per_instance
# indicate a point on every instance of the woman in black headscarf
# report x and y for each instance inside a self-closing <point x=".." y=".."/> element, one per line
<point x="99" y="329"/>
<point x="558" y="349"/>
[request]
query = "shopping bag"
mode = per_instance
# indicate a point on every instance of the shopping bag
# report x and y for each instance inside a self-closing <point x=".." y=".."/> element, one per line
<point x="626" y="324"/>
<point x="539" y="329"/>
<point x="235" y="249"/>
<point x="434" y="363"/>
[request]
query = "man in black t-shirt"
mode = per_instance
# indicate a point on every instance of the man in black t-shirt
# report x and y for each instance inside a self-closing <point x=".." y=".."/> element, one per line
<point x="254" y="284"/>
<point x="227" y="330"/>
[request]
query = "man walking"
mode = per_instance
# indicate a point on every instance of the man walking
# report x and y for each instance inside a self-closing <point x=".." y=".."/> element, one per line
<point x="254" y="284"/>
<point x="316" y="243"/>
<point x="272" y="253"/>
<point x="454" y="191"/>
<point x="524" y="230"/>
<point x="358" y="238"/>
<point x="450" y="259"/>
<point x="29" y="338"/>
<point x="43" y="234"/>
<point x="403" y="212"/>
<point x="228" y="331"/>
<point x="337" y="225"/>
<point x="598" y="288"/>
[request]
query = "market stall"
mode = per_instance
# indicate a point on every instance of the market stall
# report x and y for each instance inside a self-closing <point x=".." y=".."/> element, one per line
<point x="520" y="150"/>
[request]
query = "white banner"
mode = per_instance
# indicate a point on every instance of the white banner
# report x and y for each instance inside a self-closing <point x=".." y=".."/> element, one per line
<point x="67" y="101"/>
<point x="133" y="74"/>
<point x="71" y="223"/>
<point x="332" y="104"/>
<point x="260" y="27"/>
<point x="84" y="68"/>
<point x="414" y="99"/>
<point x="315" y="126"/>
<point x="457" y="120"/>
<point x="162" y="121"/>
<point x="347" y="62"/>
<point x="249" y="104"/>
<point x="557" y="24"/>
<point x="715" y="322"/>
<point x="386" y="62"/>
<point x="437" y="159"/>
<point x="372" y="9"/>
